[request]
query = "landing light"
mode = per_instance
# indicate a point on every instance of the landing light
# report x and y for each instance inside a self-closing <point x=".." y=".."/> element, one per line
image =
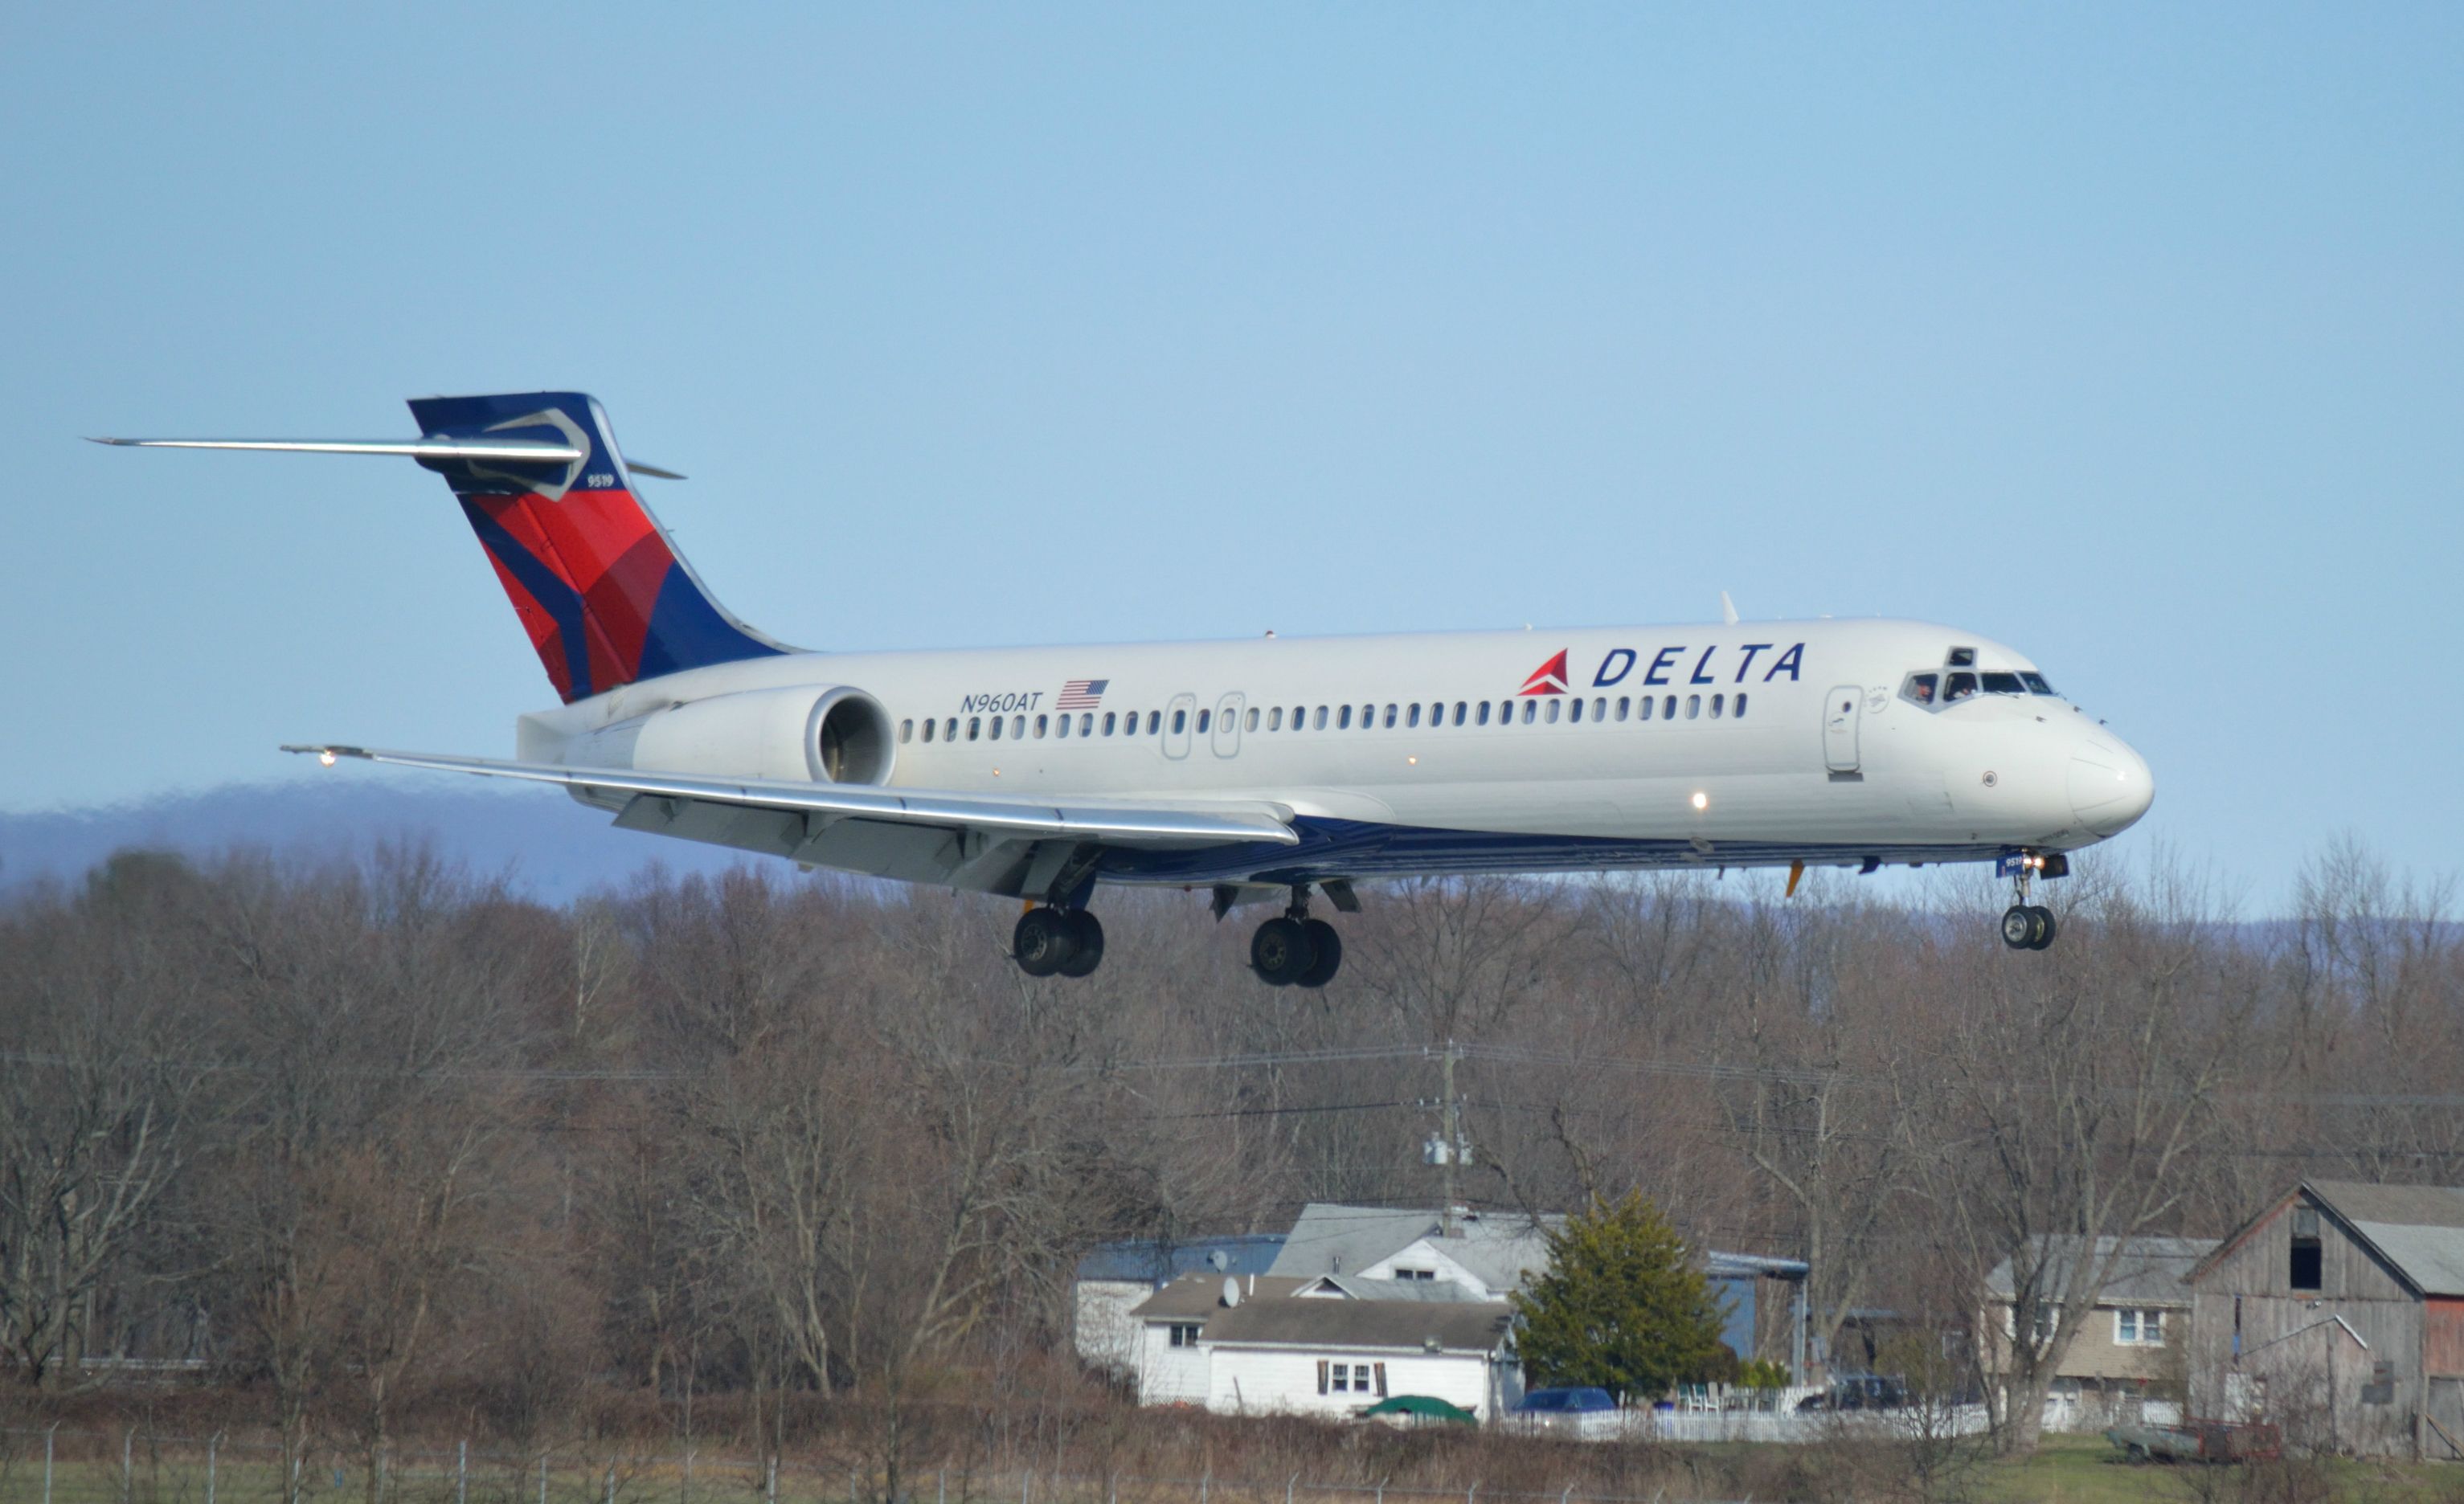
<point x="1412" y="761"/>
<point x="325" y="757"/>
<point x="1702" y="801"/>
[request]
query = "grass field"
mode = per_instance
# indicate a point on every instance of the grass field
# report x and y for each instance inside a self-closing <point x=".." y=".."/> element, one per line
<point x="2069" y="1469"/>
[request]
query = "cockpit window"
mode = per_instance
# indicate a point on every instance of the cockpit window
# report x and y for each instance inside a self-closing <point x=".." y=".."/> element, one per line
<point x="2004" y="684"/>
<point x="1961" y="658"/>
<point x="1957" y="688"/>
<point x="2035" y="682"/>
<point x="1921" y="689"/>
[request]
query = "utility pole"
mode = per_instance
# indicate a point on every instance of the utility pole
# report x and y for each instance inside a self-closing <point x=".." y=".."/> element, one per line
<point x="1446" y="1148"/>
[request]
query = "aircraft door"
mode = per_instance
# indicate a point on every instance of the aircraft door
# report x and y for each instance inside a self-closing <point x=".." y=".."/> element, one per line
<point x="1840" y="728"/>
<point x="1228" y="724"/>
<point x="1177" y="719"/>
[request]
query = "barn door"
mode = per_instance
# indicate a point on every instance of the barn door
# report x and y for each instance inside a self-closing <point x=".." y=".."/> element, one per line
<point x="1840" y="728"/>
<point x="2446" y="1439"/>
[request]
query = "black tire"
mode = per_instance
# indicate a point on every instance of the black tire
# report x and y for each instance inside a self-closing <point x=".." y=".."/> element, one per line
<point x="2045" y="927"/>
<point x="1041" y="944"/>
<point x="1280" y="952"/>
<point x="1328" y="947"/>
<point x="1088" y="937"/>
<point x="2018" y="927"/>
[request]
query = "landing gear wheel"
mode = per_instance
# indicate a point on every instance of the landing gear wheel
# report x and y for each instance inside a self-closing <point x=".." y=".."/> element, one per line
<point x="1088" y="936"/>
<point x="2045" y="928"/>
<point x="1329" y="948"/>
<point x="1042" y="942"/>
<point x="1280" y="952"/>
<point x="2019" y="927"/>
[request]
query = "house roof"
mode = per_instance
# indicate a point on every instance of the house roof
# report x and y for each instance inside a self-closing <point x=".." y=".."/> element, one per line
<point x="2146" y="1271"/>
<point x="1201" y="1296"/>
<point x="1334" y="1239"/>
<point x="1441" y="1292"/>
<point x="1157" y="1260"/>
<point x="1467" y="1326"/>
<point x="2417" y="1229"/>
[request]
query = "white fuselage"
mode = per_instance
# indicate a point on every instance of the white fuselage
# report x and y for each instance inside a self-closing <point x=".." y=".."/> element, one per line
<point x="1765" y="743"/>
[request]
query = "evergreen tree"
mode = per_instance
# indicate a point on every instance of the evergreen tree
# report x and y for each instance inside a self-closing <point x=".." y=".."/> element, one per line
<point x="1622" y="1306"/>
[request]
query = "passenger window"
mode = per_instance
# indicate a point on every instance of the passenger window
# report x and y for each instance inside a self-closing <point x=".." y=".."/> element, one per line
<point x="1668" y="707"/>
<point x="1343" y="718"/>
<point x="1600" y="708"/>
<point x="1253" y="718"/>
<point x="2004" y="684"/>
<point x="1180" y="722"/>
<point x="1961" y="658"/>
<point x="1154" y="722"/>
<point x="1574" y="707"/>
<point x="1389" y="717"/>
<point x="1319" y="720"/>
<point x="975" y="727"/>
<point x="1061" y="728"/>
<point x="1920" y="690"/>
<point x="1107" y="723"/>
<point x="1740" y="703"/>
<point x="1484" y="712"/>
<point x="1718" y="701"/>
<point x="1957" y="688"/>
<point x="1642" y="709"/>
<point x="1040" y="726"/>
<point x="1087" y="724"/>
<point x="1693" y="706"/>
<point x="997" y="728"/>
<point x="905" y="730"/>
<point x="1531" y="711"/>
<point x="927" y="730"/>
<point x="1018" y="728"/>
<point x="1203" y="716"/>
<point x="1414" y="719"/>
<point x="1461" y="710"/>
<point x="1553" y="708"/>
<point x="949" y="730"/>
<point x="1275" y="719"/>
<point x="1624" y="704"/>
<point x="2036" y="684"/>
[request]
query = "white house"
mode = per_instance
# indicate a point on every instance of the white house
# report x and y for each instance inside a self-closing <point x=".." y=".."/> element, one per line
<point x="1113" y="1279"/>
<point x="1487" y="1253"/>
<point x="1315" y="1347"/>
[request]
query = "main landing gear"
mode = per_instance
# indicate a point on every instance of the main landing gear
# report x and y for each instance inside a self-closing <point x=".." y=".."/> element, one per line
<point x="1295" y="951"/>
<point x="2026" y="926"/>
<point x="1057" y="942"/>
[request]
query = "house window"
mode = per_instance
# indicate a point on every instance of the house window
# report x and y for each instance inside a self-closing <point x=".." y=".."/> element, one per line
<point x="2306" y="1249"/>
<point x="1184" y="1335"/>
<point x="2139" y="1328"/>
<point x="1415" y="1273"/>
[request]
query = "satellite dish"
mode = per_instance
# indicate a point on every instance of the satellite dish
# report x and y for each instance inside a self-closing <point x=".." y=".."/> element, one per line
<point x="1231" y="1291"/>
<point x="1218" y="1260"/>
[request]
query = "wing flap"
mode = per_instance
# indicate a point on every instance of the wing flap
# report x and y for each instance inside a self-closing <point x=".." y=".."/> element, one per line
<point x="1195" y="823"/>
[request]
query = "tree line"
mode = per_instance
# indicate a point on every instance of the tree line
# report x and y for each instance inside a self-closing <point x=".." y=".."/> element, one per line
<point x="356" y="1134"/>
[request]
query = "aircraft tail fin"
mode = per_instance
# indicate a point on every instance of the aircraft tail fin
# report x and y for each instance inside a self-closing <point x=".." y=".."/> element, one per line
<point x="599" y="588"/>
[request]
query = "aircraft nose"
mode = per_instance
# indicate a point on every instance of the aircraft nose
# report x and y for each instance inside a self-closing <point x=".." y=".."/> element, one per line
<point x="2110" y="785"/>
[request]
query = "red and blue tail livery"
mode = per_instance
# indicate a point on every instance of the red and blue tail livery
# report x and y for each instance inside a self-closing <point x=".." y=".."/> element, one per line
<point x="602" y="593"/>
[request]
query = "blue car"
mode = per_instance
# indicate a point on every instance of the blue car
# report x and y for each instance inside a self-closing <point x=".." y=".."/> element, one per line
<point x="1560" y="1402"/>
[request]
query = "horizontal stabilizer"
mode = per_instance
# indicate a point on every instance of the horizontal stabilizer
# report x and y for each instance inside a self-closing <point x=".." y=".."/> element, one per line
<point x="532" y="450"/>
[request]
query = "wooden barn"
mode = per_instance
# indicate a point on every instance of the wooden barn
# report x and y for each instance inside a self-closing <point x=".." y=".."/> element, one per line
<point x="2337" y="1313"/>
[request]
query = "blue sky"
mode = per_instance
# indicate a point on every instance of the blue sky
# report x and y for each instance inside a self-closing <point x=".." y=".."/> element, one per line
<point x="2132" y="335"/>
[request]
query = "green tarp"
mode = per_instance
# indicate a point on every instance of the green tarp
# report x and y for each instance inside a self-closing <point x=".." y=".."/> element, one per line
<point x="1424" y="1406"/>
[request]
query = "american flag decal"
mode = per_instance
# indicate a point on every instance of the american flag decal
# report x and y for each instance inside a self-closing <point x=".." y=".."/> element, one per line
<point x="1082" y="694"/>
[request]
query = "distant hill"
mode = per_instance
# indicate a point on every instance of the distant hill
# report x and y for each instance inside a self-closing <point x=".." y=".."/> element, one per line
<point x="549" y="847"/>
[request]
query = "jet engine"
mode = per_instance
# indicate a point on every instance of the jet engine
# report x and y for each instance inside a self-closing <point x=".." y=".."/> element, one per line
<point x="806" y="733"/>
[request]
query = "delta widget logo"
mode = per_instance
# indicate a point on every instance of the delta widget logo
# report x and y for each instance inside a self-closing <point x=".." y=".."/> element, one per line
<point x="1550" y="678"/>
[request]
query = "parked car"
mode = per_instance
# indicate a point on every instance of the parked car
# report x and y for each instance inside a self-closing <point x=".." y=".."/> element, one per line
<point x="1573" y="1410"/>
<point x="2197" y="1441"/>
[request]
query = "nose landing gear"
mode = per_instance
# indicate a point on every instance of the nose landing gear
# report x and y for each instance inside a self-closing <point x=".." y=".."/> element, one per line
<point x="1057" y="942"/>
<point x="1295" y="951"/>
<point x="2026" y="926"/>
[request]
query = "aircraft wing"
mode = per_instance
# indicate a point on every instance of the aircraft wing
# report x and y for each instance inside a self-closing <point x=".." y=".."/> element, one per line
<point x="961" y="838"/>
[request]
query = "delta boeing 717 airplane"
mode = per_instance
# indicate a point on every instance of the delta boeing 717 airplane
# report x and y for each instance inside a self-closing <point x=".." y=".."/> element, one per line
<point x="1275" y="770"/>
